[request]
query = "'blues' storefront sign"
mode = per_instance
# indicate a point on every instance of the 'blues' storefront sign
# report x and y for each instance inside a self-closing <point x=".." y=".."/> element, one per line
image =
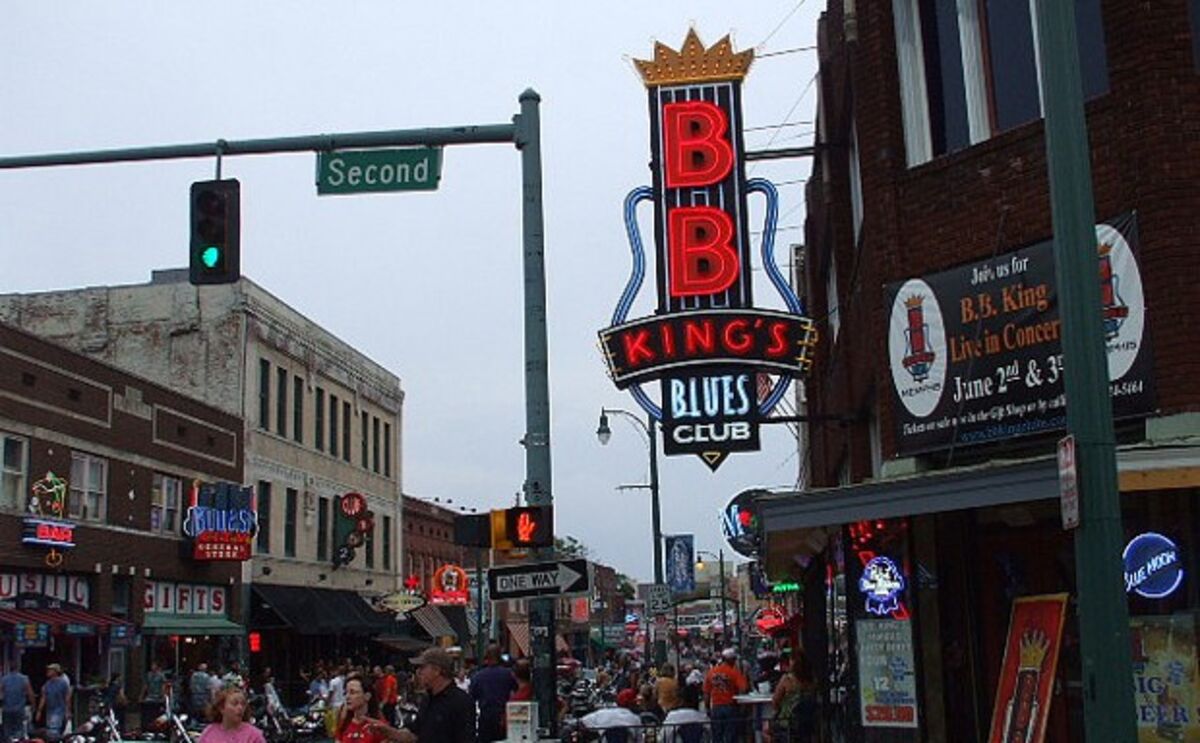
<point x="221" y="520"/>
<point x="711" y="350"/>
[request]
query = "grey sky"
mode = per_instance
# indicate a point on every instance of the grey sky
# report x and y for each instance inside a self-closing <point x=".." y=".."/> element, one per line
<point x="428" y="284"/>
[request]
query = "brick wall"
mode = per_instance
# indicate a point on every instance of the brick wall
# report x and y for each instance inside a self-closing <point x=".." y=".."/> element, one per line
<point x="1145" y="143"/>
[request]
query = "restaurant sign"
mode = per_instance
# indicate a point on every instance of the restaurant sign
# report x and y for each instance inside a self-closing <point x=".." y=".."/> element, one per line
<point x="450" y="585"/>
<point x="221" y="520"/>
<point x="712" y="351"/>
<point x="976" y="352"/>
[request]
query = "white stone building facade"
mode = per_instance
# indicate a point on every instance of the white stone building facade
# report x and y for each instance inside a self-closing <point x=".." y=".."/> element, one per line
<point x="322" y="419"/>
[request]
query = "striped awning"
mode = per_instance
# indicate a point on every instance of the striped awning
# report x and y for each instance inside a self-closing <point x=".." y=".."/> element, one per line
<point x="58" y="617"/>
<point x="433" y="621"/>
<point x="520" y="636"/>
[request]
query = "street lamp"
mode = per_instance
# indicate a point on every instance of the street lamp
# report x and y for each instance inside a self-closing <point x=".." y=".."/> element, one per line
<point x="720" y="555"/>
<point x="604" y="433"/>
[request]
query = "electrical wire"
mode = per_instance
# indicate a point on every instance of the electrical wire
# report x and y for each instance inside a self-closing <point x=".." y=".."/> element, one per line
<point x="779" y="25"/>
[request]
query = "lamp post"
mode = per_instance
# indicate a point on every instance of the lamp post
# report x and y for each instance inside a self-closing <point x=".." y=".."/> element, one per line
<point x="604" y="433"/>
<point x="726" y="634"/>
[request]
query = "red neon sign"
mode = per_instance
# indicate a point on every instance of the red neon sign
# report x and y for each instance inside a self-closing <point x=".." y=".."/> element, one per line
<point x="770" y="340"/>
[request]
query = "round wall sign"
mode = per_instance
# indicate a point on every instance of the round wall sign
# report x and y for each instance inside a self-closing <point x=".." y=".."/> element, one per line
<point x="353" y="504"/>
<point x="1153" y="568"/>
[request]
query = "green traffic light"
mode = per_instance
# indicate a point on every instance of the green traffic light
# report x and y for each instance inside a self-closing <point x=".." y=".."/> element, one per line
<point x="210" y="256"/>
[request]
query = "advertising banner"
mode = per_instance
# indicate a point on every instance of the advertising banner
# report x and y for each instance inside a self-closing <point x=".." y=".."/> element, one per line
<point x="887" y="678"/>
<point x="1164" y="678"/>
<point x="1027" y="675"/>
<point x="976" y="352"/>
<point x="681" y="563"/>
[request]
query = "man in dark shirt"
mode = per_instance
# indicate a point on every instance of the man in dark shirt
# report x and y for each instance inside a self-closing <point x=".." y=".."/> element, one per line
<point x="447" y="715"/>
<point x="491" y="687"/>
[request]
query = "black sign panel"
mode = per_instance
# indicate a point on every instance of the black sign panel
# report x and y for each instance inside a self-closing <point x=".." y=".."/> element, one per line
<point x="560" y="578"/>
<point x="976" y="352"/>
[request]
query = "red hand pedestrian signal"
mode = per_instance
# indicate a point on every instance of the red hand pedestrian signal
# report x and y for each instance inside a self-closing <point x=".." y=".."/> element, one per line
<point x="525" y="528"/>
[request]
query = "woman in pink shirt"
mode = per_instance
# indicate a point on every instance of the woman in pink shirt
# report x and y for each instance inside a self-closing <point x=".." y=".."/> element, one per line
<point x="229" y="715"/>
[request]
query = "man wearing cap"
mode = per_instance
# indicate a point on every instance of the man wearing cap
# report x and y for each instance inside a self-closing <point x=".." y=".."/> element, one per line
<point x="55" y="705"/>
<point x="721" y="683"/>
<point x="447" y="714"/>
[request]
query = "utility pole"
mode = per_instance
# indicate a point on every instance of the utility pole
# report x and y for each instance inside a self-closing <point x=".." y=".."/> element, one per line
<point x="1108" y="706"/>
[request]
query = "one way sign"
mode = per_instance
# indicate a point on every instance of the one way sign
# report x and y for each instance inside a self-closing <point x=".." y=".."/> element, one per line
<point x="561" y="578"/>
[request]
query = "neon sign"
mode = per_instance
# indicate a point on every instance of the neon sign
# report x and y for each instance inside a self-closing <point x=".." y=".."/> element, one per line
<point x="707" y="345"/>
<point x="450" y="583"/>
<point x="221" y="520"/>
<point x="881" y="583"/>
<point x="46" y="533"/>
<point x="1153" y="568"/>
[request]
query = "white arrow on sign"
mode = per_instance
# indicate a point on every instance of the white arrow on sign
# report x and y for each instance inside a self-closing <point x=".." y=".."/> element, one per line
<point x="566" y="577"/>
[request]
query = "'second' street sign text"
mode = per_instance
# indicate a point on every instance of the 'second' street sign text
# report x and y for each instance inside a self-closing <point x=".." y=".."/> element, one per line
<point x="559" y="578"/>
<point x="373" y="171"/>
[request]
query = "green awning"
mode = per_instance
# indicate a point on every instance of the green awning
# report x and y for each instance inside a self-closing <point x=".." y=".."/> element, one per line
<point x="171" y="624"/>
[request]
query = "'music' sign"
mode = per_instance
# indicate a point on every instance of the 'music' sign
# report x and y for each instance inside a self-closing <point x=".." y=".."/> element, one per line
<point x="708" y="346"/>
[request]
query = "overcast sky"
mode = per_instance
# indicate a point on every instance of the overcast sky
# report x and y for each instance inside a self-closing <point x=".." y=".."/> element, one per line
<point x="427" y="284"/>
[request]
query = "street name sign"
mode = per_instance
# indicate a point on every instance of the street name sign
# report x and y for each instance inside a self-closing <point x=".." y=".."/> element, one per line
<point x="559" y="578"/>
<point x="376" y="171"/>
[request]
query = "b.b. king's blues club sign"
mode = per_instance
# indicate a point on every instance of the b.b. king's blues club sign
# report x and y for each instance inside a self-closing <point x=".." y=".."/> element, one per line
<point x="722" y="364"/>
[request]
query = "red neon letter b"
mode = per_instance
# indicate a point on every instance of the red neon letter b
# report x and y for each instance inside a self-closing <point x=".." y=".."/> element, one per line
<point x="702" y="260"/>
<point x="696" y="152"/>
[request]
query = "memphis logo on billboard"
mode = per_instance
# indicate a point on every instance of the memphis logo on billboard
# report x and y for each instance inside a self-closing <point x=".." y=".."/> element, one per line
<point x="712" y="351"/>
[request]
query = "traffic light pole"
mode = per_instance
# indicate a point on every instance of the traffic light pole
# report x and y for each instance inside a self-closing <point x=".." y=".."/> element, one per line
<point x="1108" y="704"/>
<point x="525" y="133"/>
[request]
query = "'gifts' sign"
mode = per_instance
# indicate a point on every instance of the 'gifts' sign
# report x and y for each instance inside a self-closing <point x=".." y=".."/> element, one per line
<point x="713" y="353"/>
<point x="162" y="597"/>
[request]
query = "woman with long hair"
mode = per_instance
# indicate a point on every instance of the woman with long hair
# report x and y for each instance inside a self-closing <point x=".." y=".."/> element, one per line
<point x="358" y="719"/>
<point x="230" y="714"/>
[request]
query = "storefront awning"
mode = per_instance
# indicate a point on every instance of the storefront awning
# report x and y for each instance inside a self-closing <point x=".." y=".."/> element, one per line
<point x="457" y="617"/>
<point x="931" y="492"/>
<point x="58" y="617"/>
<point x="316" y="611"/>
<point x="433" y="621"/>
<point x="520" y="636"/>
<point x="174" y="624"/>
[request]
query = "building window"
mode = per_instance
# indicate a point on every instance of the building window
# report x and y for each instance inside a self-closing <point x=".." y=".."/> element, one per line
<point x="264" y="517"/>
<point x="165" y="497"/>
<point x="369" y="548"/>
<point x="364" y="439"/>
<point x="319" y="422"/>
<point x="323" y="529"/>
<point x="387" y="449"/>
<point x="375" y="444"/>
<point x="14" y="472"/>
<point x="856" y="196"/>
<point x="89" y="483"/>
<point x="289" y="523"/>
<point x="832" y="301"/>
<point x="333" y="425"/>
<point x="298" y="409"/>
<point x="387" y="542"/>
<point x="1194" y="13"/>
<point x="969" y="69"/>
<point x="346" y="431"/>
<point x="281" y="402"/>
<point x="264" y="394"/>
<point x="122" y="589"/>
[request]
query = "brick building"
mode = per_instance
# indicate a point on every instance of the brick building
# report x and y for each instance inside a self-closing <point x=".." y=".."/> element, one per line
<point x="120" y="454"/>
<point x="929" y="266"/>
<point x="428" y="547"/>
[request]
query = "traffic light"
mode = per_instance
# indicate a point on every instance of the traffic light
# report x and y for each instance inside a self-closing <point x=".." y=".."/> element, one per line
<point x="523" y="527"/>
<point x="214" y="254"/>
<point x="351" y="525"/>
